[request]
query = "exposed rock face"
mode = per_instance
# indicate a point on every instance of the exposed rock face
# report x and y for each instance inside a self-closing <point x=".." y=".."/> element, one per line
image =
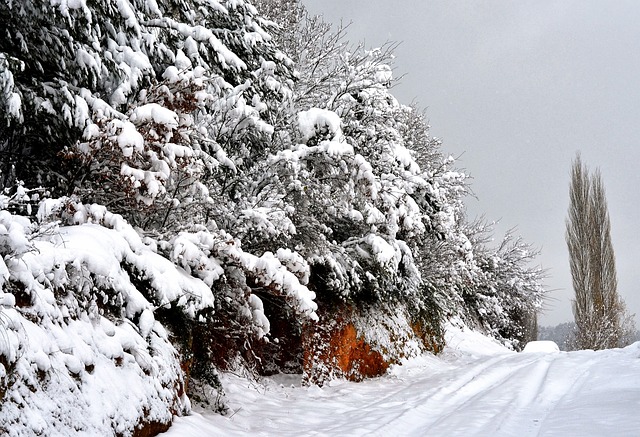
<point x="337" y="351"/>
<point x="356" y="344"/>
<point x="150" y="429"/>
<point x="432" y="339"/>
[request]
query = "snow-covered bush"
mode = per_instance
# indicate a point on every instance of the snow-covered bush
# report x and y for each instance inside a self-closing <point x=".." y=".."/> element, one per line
<point x="75" y="322"/>
<point x="146" y="164"/>
<point x="502" y="290"/>
<point x="85" y="295"/>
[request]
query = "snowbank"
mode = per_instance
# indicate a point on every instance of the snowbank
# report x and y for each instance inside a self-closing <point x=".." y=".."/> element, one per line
<point x="543" y="346"/>
<point x="463" y="341"/>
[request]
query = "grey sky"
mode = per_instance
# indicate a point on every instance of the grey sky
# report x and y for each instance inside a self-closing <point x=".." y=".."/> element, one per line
<point x="517" y="88"/>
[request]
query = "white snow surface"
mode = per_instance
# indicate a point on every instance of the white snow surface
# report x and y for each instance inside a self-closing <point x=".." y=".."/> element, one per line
<point x="541" y="346"/>
<point x="474" y="388"/>
<point x="315" y="120"/>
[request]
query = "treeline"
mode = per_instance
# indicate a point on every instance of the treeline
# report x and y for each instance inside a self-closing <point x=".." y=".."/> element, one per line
<point x="261" y="155"/>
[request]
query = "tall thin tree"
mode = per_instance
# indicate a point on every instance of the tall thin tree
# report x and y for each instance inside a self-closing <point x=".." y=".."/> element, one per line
<point x="599" y="312"/>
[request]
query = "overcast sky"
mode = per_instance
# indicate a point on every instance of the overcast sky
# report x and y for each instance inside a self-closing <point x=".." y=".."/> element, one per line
<point x="517" y="88"/>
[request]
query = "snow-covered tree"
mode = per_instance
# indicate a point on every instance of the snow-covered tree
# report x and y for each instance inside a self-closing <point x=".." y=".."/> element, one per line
<point x="359" y="196"/>
<point x="405" y="197"/>
<point x="158" y="111"/>
<point x="508" y="299"/>
<point x="90" y="62"/>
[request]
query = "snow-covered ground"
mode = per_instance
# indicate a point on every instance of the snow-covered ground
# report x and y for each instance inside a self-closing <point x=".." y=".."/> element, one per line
<point x="475" y="388"/>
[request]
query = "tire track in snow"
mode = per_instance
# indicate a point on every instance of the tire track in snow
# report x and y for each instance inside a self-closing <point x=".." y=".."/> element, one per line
<point x="437" y="410"/>
<point x="540" y="394"/>
<point x="469" y="404"/>
<point x="525" y="388"/>
<point x="496" y="398"/>
<point x="559" y="389"/>
<point x="524" y="395"/>
<point x="413" y="394"/>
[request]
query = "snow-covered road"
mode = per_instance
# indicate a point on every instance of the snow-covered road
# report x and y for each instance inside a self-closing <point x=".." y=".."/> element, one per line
<point x="475" y="389"/>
